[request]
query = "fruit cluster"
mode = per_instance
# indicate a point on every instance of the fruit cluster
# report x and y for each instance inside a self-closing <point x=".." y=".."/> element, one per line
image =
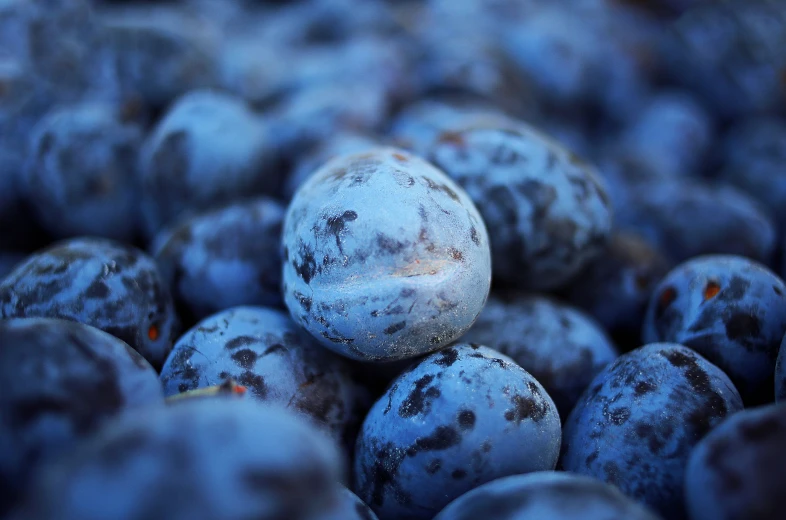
<point x="394" y="260"/>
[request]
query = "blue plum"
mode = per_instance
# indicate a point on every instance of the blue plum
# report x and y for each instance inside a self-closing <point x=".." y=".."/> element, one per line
<point x="670" y="135"/>
<point x="730" y="53"/>
<point x="555" y="51"/>
<point x="209" y="149"/>
<point x="548" y="208"/>
<point x="81" y="178"/>
<point x="223" y="258"/>
<point x="99" y="282"/>
<point x="255" y="68"/>
<point x="730" y="310"/>
<point x="55" y="39"/>
<point x="592" y="56"/>
<point x="263" y="350"/>
<point x="638" y="422"/>
<point x="470" y="65"/>
<point x="684" y="218"/>
<point x="560" y="346"/>
<point x="155" y="53"/>
<point x="545" y="494"/>
<point x="24" y="98"/>
<point x="736" y="471"/>
<point x="616" y="288"/>
<point x="385" y="257"/>
<point x="203" y="459"/>
<point x="61" y="381"/>
<point x="753" y="155"/>
<point x="780" y="374"/>
<point x="461" y="417"/>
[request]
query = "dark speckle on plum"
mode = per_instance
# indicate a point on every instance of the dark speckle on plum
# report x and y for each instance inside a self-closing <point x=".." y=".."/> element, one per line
<point x="442" y="438"/>
<point x="619" y="416"/>
<point x="702" y="418"/>
<point x="735" y="290"/>
<point x="458" y="474"/>
<point x="444" y="188"/>
<point x="648" y="432"/>
<point x="336" y="224"/>
<point x="526" y="408"/>
<point x="245" y="358"/>
<point x="419" y="399"/>
<point x="255" y="383"/>
<point x="473" y="234"/>
<point x="433" y="466"/>
<point x="389" y="244"/>
<point x="274" y="348"/>
<point x="240" y="341"/>
<point x="592" y="457"/>
<point x="446" y="357"/>
<point x="303" y="300"/>
<point x="466" y="419"/>
<point x="98" y="290"/>
<point x="742" y="325"/>
<point x="455" y="254"/>
<point x="307" y="267"/>
<point x="612" y="473"/>
<point x="396" y="327"/>
<point x="643" y="387"/>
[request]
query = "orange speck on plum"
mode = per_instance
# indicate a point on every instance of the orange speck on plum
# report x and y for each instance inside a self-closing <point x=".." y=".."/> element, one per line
<point x="667" y="297"/>
<point x="153" y="333"/>
<point x="711" y="290"/>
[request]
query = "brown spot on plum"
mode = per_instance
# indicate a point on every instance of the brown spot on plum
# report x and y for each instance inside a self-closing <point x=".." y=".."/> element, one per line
<point x="711" y="290"/>
<point x="666" y="298"/>
<point x="453" y="138"/>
